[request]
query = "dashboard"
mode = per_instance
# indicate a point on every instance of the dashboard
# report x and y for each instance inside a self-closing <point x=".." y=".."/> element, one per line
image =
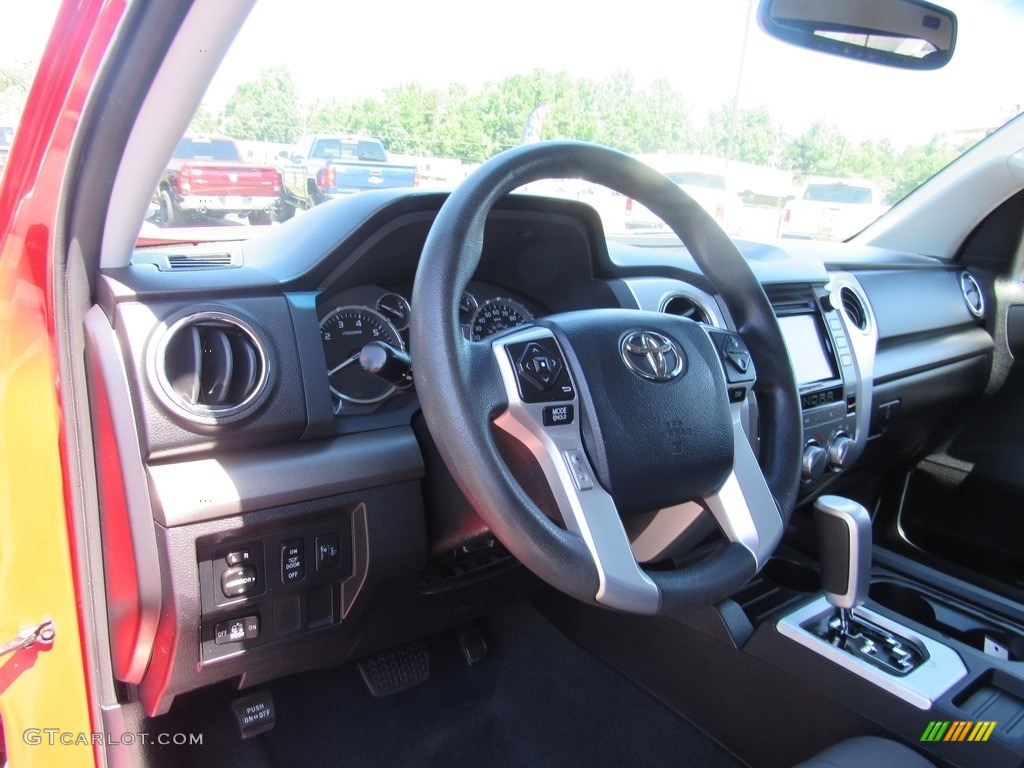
<point x="275" y="506"/>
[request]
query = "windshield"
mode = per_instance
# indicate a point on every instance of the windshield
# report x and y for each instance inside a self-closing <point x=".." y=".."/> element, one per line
<point x="697" y="179"/>
<point x="196" y="148"/>
<point x="838" y="193"/>
<point x="319" y="110"/>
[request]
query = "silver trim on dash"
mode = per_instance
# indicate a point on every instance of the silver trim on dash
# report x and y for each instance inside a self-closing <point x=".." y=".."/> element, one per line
<point x="921" y="688"/>
<point x="967" y="280"/>
<point x="654" y="293"/>
<point x="863" y="344"/>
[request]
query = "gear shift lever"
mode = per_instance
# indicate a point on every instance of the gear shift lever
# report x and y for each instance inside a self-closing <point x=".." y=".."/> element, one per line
<point x="844" y="550"/>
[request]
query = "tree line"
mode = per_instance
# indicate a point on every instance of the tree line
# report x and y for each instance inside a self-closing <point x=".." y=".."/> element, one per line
<point x="474" y="124"/>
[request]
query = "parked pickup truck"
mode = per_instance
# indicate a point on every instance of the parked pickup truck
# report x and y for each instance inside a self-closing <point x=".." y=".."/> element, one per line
<point x="207" y="180"/>
<point x="831" y="209"/>
<point x="324" y="166"/>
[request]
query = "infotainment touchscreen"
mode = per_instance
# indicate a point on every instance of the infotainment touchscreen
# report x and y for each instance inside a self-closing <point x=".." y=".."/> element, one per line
<point x="811" y="361"/>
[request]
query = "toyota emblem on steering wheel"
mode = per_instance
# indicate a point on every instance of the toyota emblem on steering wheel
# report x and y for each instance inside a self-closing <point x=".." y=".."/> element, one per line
<point x="652" y="356"/>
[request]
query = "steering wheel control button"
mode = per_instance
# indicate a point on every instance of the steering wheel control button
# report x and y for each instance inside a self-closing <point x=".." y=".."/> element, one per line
<point x="737" y="394"/>
<point x="557" y="415"/>
<point x="328" y="551"/>
<point x="238" y="581"/>
<point x="240" y="557"/>
<point x="579" y="469"/>
<point x="736" y="360"/>
<point x="540" y="371"/>
<point x="538" y="366"/>
<point x="293" y="561"/>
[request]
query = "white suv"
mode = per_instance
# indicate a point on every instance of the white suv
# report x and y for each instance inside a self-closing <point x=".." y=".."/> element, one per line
<point x="831" y="209"/>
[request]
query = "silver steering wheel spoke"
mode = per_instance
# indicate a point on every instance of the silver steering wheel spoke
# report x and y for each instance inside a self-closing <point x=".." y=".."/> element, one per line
<point x="744" y="507"/>
<point x="550" y="430"/>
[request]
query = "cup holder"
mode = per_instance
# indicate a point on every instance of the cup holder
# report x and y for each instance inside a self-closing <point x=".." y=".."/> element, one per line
<point x="905" y="600"/>
<point x="952" y="619"/>
<point x="790" y="574"/>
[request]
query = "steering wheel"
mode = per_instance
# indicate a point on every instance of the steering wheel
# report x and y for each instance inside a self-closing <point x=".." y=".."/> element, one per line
<point x="629" y="414"/>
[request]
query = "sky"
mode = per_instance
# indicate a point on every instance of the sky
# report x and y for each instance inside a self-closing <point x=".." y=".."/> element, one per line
<point x="341" y="50"/>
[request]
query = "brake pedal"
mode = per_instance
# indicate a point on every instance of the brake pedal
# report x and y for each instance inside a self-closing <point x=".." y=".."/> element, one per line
<point x="397" y="670"/>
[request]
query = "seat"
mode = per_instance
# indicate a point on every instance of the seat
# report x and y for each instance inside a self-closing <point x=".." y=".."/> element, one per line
<point x="867" y="750"/>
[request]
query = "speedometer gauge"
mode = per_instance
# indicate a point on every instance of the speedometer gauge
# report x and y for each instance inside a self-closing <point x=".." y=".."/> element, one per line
<point x="498" y="314"/>
<point x="345" y="332"/>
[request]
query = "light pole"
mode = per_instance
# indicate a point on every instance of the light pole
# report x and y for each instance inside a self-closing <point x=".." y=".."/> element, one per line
<point x="739" y="84"/>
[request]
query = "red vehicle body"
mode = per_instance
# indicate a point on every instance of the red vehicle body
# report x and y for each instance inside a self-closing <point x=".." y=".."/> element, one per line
<point x="207" y="179"/>
<point x="42" y="686"/>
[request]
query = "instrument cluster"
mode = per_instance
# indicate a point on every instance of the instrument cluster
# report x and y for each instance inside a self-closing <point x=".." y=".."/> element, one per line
<point x="356" y="317"/>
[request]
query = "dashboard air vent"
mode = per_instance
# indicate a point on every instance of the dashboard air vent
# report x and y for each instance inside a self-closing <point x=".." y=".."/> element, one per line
<point x="187" y="261"/>
<point x="972" y="294"/>
<point x="854" y="308"/>
<point x="204" y="261"/>
<point x="684" y="306"/>
<point x="211" y="365"/>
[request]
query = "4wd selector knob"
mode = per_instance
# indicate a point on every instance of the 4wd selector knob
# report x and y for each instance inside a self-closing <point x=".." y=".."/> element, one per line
<point x="814" y="462"/>
<point x="839" y="451"/>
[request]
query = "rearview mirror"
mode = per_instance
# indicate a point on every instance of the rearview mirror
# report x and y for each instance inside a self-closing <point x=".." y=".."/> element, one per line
<point x="911" y="34"/>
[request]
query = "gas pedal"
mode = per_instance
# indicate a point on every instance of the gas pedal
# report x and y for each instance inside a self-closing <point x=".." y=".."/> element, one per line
<point x="472" y="643"/>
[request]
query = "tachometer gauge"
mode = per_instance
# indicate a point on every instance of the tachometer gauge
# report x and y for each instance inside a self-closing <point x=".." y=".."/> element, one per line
<point x="345" y="332"/>
<point x="496" y="315"/>
<point x="396" y="309"/>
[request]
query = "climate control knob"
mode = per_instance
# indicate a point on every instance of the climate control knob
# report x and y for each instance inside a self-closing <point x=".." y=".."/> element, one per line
<point x="814" y="462"/>
<point x="839" y="451"/>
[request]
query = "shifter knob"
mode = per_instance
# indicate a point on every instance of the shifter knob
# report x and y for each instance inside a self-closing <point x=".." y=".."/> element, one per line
<point x="844" y="549"/>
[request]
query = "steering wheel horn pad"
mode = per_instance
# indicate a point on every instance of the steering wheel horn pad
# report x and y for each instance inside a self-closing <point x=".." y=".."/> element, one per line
<point x="654" y="440"/>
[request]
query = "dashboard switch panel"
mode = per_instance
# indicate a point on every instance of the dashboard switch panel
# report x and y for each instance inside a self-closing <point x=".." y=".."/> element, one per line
<point x="293" y="561"/>
<point x="288" y="581"/>
<point x="236" y="630"/>
<point x="238" y="581"/>
<point x="239" y="557"/>
<point x="328" y="552"/>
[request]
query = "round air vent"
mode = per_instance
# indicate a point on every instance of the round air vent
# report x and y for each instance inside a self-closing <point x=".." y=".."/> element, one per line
<point x="685" y="306"/>
<point x="972" y="294"/>
<point x="853" y="308"/>
<point x="211" y="365"/>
